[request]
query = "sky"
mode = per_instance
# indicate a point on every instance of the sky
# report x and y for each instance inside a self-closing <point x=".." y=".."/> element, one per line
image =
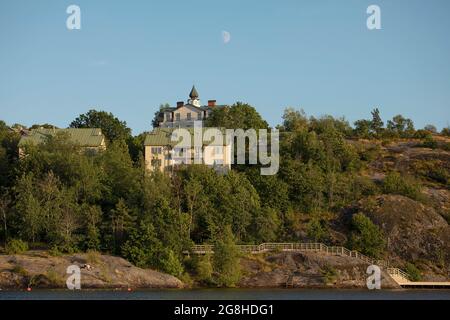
<point x="131" y="56"/>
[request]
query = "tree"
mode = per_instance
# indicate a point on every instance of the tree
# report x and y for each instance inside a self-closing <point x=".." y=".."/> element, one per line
<point x="193" y="192"/>
<point x="446" y="131"/>
<point x="28" y="208"/>
<point x="401" y="126"/>
<point x="226" y="259"/>
<point x="121" y="222"/>
<point x="238" y="116"/>
<point x="362" y="128"/>
<point x="144" y="249"/>
<point x="158" y="117"/>
<point x="376" y="125"/>
<point x="45" y="126"/>
<point x="294" y="120"/>
<point x="366" y="237"/>
<point x="265" y="225"/>
<point x="431" y="128"/>
<point x="112" y="127"/>
<point x="92" y="218"/>
<point x="5" y="201"/>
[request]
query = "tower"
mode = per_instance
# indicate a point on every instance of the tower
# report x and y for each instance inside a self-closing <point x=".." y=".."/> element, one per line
<point x="193" y="97"/>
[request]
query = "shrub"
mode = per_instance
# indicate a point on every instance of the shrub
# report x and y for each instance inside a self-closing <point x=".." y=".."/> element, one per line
<point x="317" y="230"/>
<point x="413" y="272"/>
<point x="16" y="246"/>
<point x="446" y="132"/>
<point x="204" y="268"/>
<point x="366" y="237"/>
<point x="429" y="142"/>
<point x="421" y="134"/>
<point x="19" y="270"/>
<point x="403" y="185"/>
<point x="330" y="274"/>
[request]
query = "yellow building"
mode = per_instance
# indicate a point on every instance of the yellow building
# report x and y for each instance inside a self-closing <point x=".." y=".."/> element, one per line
<point x="161" y="153"/>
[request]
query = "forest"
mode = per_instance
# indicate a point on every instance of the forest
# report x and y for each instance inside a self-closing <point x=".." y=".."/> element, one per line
<point x="60" y="199"/>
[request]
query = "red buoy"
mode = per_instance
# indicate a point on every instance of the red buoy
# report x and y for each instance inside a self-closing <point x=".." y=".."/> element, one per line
<point x="129" y="290"/>
<point x="28" y="289"/>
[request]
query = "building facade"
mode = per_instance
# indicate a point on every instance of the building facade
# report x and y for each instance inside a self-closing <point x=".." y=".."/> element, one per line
<point x="184" y="114"/>
<point x="163" y="154"/>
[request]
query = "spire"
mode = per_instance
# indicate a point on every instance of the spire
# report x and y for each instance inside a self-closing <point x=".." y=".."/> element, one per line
<point x="194" y="93"/>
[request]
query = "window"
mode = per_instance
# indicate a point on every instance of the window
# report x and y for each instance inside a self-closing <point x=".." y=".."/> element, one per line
<point x="177" y="116"/>
<point x="178" y="152"/>
<point x="188" y="115"/>
<point x="199" y="116"/>
<point x="156" y="150"/>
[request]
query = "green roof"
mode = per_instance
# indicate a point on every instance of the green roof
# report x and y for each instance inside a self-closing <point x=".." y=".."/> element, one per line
<point x="162" y="137"/>
<point x="84" y="137"/>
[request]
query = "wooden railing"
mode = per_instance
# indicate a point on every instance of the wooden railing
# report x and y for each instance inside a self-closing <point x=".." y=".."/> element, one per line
<point x="308" y="247"/>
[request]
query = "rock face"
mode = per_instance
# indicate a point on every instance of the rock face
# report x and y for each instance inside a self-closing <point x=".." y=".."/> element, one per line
<point x="306" y="270"/>
<point x="415" y="233"/>
<point x="39" y="269"/>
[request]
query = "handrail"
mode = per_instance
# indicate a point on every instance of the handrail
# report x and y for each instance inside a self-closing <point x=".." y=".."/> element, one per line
<point x="306" y="246"/>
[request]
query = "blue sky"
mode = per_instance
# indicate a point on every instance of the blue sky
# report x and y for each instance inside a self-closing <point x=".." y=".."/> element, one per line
<point x="130" y="56"/>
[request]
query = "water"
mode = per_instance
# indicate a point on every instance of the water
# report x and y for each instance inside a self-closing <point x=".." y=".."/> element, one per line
<point x="228" y="294"/>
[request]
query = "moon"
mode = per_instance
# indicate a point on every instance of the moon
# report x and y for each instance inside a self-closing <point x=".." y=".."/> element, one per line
<point x="226" y="37"/>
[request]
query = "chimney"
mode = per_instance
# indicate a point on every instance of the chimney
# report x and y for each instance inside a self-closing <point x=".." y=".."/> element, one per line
<point x="180" y="104"/>
<point x="211" y="103"/>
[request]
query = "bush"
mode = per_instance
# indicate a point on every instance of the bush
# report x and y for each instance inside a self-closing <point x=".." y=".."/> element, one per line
<point x="16" y="246"/>
<point x="446" y="132"/>
<point x="330" y="274"/>
<point x="204" y="268"/>
<point x="429" y="142"/>
<point x="403" y="185"/>
<point x="317" y="230"/>
<point x="366" y="237"/>
<point x="413" y="272"/>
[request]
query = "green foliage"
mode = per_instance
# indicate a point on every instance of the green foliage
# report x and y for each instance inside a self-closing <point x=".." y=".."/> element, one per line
<point x="429" y="142"/>
<point x="266" y="225"/>
<point x="362" y="129"/>
<point x="16" y="246"/>
<point x="366" y="237"/>
<point x="294" y="120"/>
<point x="226" y="259"/>
<point x="329" y="274"/>
<point x="239" y="115"/>
<point x="401" y="127"/>
<point x="204" y="268"/>
<point x="112" y="127"/>
<point x="145" y="250"/>
<point x="317" y="230"/>
<point x="376" y="125"/>
<point x="403" y="185"/>
<point x="446" y="131"/>
<point x="413" y="272"/>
